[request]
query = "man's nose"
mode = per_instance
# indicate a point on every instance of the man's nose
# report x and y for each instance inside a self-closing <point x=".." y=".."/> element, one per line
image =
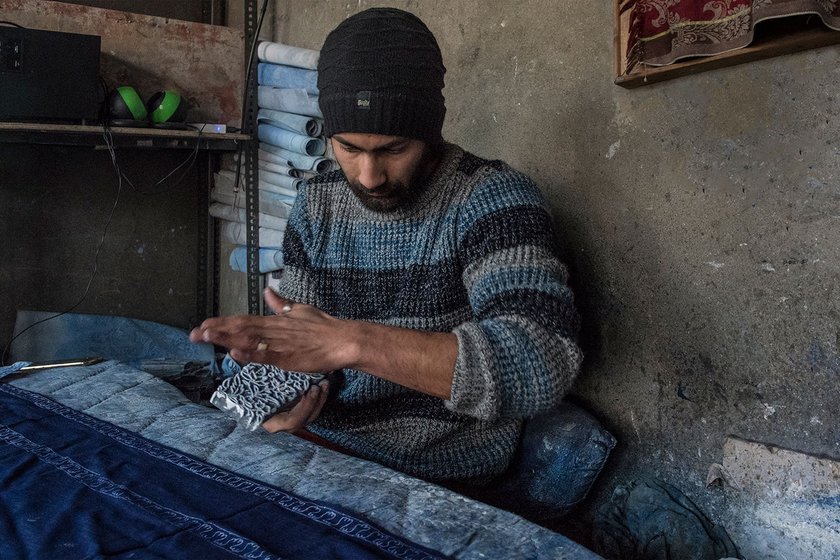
<point x="371" y="172"/>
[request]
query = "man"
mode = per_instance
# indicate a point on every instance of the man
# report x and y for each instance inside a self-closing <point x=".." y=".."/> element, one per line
<point x="427" y="275"/>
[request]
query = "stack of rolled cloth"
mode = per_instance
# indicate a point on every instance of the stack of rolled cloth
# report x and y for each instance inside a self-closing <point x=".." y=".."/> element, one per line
<point x="260" y="391"/>
<point x="289" y="118"/>
<point x="227" y="206"/>
<point x="292" y="149"/>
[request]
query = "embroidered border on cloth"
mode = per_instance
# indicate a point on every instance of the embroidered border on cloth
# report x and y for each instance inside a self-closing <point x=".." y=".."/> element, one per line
<point x="343" y="523"/>
<point x="218" y="536"/>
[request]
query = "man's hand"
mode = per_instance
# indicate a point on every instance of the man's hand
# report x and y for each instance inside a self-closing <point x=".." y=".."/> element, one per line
<point x="303" y="413"/>
<point x="298" y="338"/>
<point x="305" y="339"/>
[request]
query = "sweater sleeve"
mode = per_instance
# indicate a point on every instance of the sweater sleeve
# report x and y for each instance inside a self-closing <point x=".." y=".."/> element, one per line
<point x="518" y="356"/>
<point x="296" y="282"/>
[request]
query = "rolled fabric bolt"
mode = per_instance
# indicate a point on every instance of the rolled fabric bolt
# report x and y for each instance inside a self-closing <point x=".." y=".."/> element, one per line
<point x="278" y="196"/>
<point x="237" y="234"/>
<point x="285" y="184"/>
<point x="300" y="161"/>
<point x="292" y="141"/>
<point x="287" y="194"/>
<point x="264" y="155"/>
<point x="284" y="168"/>
<point x="269" y="259"/>
<point x="289" y="100"/>
<point x="279" y="168"/>
<point x="274" y="165"/>
<point x="283" y="76"/>
<point x="270" y="203"/>
<point x="268" y="157"/>
<point x="282" y="185"/>
<point x="288" y="199"/>
<point x="302" y="124"/>
<point x="278" y="53"/>
<point x="231" y="214"/>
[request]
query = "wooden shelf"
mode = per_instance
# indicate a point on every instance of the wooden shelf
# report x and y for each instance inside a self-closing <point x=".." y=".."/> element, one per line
<point x="125" y="137"/>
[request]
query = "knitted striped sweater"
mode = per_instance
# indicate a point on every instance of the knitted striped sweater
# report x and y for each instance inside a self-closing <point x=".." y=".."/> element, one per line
<point x="473" y="255"/>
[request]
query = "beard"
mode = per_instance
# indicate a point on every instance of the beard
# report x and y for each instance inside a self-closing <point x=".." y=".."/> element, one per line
<point x="394" y="195"/>
<point x="387" y="197"/>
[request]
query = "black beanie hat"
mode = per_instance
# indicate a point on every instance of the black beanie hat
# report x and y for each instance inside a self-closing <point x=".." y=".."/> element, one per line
<point x="381" y="72"/>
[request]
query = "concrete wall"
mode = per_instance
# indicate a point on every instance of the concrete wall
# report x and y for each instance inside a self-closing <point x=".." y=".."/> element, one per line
<point x="700" y="219"/>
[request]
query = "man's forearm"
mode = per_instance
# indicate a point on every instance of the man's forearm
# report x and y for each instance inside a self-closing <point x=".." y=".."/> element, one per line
<point x="302" y="338"/>
<point x="421" y="360"/>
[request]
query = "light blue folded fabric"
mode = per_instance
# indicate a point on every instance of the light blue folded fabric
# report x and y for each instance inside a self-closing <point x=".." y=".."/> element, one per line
<point x="289" y="100"/>
<point x="288" y="200"/>
<point x="236" y="234"/>
<point x="287" y="194"/>
<point x="269" y="259"/>
<point x="231" y="214"/>
<point x="281" y="184"/>
<point x="302" y="124"/>
<point x="278" y="53"/>
<point x="280" y="168"/>
<point x="77" y="335"/>
<point x="270" y="203"/>
<point x="292" y="141"/>
<point x="299" y="161"/>
<point x="282" y="76"/>
<point x="274" y="166"/>
<point x="277" y="159"/>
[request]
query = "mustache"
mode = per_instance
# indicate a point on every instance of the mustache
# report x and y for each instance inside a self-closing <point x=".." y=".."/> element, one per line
<point x="385" y="188"/>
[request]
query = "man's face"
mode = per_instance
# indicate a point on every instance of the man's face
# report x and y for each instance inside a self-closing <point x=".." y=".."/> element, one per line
<point x="384" y="172"/>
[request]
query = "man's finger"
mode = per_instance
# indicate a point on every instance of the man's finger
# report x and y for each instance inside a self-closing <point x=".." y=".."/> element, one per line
<point x="276" y="423"/>
<point x="246" y="357"/>
<point x="275" y="302"/>
<point x="297" y="417"/>
<point x="322" y="400"/>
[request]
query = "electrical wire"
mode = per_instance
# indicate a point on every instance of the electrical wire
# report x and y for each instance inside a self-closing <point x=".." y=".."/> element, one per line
<point x="191" y="158"/>
<point x="109" y="142"/>
<point x="12" y="24"/>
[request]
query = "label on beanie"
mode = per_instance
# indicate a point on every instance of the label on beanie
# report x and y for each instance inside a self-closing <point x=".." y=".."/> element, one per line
<point x="363" y="100"/>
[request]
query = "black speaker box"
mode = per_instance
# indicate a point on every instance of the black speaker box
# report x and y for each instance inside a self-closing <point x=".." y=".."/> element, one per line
<point x="48" y="76"/>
